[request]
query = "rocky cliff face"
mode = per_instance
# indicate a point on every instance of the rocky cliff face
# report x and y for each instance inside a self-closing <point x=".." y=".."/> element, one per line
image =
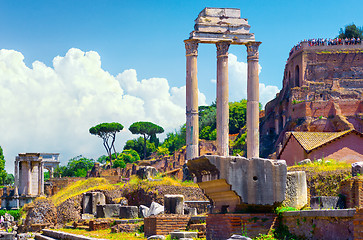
<point x="322" y="91"/>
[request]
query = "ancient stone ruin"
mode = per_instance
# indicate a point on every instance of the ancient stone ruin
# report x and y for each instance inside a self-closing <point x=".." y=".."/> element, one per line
<point x="322" y="92"/>
<point x="29" y="178"/>
<point x="229" y="182"/>
<point x="222" y="27"/>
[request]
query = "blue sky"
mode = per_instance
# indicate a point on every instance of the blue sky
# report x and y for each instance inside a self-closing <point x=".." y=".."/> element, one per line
<point x="139" y="42"/>
<point x="148" y="35"/>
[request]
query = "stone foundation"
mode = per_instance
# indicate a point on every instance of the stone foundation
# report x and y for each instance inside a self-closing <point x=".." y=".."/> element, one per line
<point x="323" y="224"/>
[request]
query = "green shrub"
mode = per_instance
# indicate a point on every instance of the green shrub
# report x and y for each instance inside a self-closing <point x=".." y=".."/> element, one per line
<point x="15" y="213"/>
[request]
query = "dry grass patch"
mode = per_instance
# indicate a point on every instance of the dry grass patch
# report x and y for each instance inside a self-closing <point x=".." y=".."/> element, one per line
<point x="80" y="187"/>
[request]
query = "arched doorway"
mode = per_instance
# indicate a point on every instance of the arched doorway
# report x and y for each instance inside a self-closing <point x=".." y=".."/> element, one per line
<point x="297" y="76"/>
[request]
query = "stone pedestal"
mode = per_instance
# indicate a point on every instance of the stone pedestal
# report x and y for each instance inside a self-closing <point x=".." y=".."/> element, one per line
<point x="192" y="124"/>
<point x="222" y="98"/>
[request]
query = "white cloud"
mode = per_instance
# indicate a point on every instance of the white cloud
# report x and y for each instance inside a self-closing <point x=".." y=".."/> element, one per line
<point x="50" y="109"/>
<point x="238" y="82"/>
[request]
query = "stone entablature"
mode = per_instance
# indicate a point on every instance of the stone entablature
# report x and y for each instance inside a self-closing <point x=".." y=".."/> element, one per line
<point x="215" y="24"/>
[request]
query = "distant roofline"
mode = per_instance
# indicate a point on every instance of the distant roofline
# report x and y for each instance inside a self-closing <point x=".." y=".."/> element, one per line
<point x="344" y="133"/>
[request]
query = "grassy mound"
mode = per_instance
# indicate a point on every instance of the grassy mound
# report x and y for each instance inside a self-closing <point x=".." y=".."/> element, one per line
<point x="80" y="187"/>
<point x="138" y="191"/>
<point x="323" y="178"/>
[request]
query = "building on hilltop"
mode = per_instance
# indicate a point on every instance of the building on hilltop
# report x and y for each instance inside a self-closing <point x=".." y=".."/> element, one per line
<point x="322" y="92"/>
<point x="343" y="146"/>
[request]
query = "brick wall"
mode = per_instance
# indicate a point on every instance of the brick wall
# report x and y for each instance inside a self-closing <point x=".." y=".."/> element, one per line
<point x="222" y="226"/>
<point x="321" y="224"/>
<point x="352" y="189"/>
<point x="358" y="224"/>
<point x="165" y="224"/>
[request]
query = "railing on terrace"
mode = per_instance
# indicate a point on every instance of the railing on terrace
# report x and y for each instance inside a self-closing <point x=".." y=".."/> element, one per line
<point x="325" y="44"/>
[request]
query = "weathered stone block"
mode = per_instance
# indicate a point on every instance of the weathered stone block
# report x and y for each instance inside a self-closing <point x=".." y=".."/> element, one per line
<point x="190" y="211"/>
<point x="221" y="12"/>
<point x="129" y="212"/>
<point x="143" y="211"/>
<point x="326" y="202"/>
<point x="155" y="209"/>
<point x="235" y="236"/>
<point x="156" y="237"/>
<point x="174" y="204"/>
<point x="305" y="161"/>
<point x="179" y="235"/>
<point x="108" y="211"/>
<point x="7" y="236"/>
<point x="86" y="216"/>
<point x="357" y="168"/>
<point x="146" y="172"/>
<point x="296" y="190"/>
<point x="230" y="181"/>
<point x="91" y="200"/>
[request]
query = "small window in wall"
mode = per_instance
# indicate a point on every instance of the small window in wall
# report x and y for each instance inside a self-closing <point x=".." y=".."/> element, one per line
<point x="297" y="76"/>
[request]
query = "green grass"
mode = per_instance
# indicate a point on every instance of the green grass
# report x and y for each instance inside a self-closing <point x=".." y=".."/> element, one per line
<point x="15" y="213"/>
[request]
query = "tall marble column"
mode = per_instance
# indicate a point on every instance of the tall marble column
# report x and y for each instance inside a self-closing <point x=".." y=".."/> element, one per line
<point x="16" y="187"/>
<point x="41" y="165"/>
<point x="192" y="124"/>
<point x="253" y="142"/>
<point x="28" y="189"/>
<point x="222" y="98"/>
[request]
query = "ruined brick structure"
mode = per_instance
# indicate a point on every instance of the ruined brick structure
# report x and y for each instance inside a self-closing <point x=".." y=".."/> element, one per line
<point x="171" y="165"/>
<point x="322" y="91"/>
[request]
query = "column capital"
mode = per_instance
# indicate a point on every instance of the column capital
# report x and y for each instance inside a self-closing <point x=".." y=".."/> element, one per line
<point x="252" y="50"/>
<point x="191" y="47"/>
<point x="222" y="48"/>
